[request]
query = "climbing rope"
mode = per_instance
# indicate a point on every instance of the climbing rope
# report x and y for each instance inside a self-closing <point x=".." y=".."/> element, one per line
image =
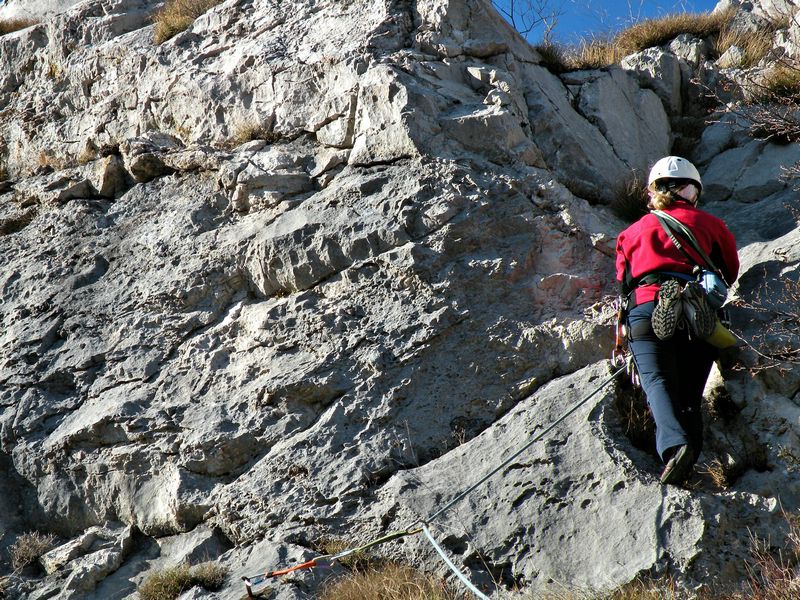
<point x="328" y="560"/>
<point x="514" y="456"/>
<point x="467" y="583"/>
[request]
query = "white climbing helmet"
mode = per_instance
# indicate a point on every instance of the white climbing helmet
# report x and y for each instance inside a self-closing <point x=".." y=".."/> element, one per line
<point x="674" y="167"/>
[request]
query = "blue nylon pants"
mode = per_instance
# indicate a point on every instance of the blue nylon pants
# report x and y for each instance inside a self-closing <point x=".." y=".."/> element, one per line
<point x="673" y="373"/>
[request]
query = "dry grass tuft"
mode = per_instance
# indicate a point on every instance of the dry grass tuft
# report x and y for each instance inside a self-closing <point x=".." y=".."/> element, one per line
<point x="209" y="575"/>
<point x="722" y="474"/>
<point x="167" y="584"/>
<point x="249" y="131"/>
<point x="598" y="53"/>
<point x="630" y="203"/>
<point x="774" y="577"/>
<point x="390" y="582"/>
<point x="28" y="547"/>
<point x="754" y="45"/>
<point x="551" y="57"/>
<point x="177" y="16"/>
<point x="170" y="583"/>
<point x="12" y="25"/>
<point x="655" y="32"/>
<point x="781" y="82"/>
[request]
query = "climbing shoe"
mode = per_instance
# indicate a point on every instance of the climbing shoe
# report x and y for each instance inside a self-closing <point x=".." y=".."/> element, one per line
<point x="699" y="315"/>
<point x="668" y="309"/>
<point x="679" y="467"/>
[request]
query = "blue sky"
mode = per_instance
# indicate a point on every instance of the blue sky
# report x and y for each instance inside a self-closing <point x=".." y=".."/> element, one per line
<point x="587" y="18"/>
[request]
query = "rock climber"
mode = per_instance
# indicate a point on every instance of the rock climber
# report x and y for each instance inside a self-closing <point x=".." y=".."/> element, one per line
<point x="672" y="371"/>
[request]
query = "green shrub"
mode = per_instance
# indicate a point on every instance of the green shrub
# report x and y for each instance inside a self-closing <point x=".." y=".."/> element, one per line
<point x="177" y="16"/>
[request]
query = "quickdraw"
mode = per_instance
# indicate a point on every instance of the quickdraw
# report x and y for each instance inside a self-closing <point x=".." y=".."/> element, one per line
<point x="620" y="357"/>
<point x="249" y="582"/>
<point x="620" y="336"/>
<point x="325" y="561"/>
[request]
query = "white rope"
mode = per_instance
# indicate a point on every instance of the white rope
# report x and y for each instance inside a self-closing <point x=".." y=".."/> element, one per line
<point x="453" y="568"/>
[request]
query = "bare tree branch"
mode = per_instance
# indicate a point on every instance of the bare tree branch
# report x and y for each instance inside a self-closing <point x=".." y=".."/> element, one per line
<point x="527" y="15"/>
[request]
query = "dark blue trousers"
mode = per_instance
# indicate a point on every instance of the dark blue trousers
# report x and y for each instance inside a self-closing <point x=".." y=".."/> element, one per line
<point x="673" y="374"/>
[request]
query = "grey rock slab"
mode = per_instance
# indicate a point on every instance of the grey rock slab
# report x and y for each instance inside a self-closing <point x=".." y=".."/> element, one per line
<point x="113" y="536"/>
<point x="725" y="132"/>
<point x="324" y="249"/>
<point x="660" y="71"/>
<point x="690" y="49"/>
<point x="768" y="175"/>
<point x="775" y="10"/>
<point x="749" y="173"/>
<point x="547" y="494"/>
<point x="572" y="147"/>
<point x="611" y="103"/>
<point x="721" y="177"/>
<point x="471" y="28"/>
<point x="33" y="9"/>
<point x="763" y="221"/>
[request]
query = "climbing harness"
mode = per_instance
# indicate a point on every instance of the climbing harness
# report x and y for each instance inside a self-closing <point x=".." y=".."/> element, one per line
<point x="708" y="275"/>
<point x="329" y="560"/>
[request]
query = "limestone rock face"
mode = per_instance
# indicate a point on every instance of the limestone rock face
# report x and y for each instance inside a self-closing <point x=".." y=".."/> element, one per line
<point x="307" y="269"/>
<point x="33" y="9"/>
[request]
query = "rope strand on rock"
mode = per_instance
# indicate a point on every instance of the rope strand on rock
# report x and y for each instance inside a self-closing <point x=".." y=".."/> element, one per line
<point x="467" y="583"/>
<point x="514" y="456"/>
<point x="328" y="560"/>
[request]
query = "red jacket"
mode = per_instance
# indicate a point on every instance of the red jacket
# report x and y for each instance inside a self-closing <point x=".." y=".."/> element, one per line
<point x="645" y="248"/>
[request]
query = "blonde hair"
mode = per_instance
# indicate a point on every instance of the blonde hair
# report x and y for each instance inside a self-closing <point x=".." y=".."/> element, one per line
<point x="659" y="200"/>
